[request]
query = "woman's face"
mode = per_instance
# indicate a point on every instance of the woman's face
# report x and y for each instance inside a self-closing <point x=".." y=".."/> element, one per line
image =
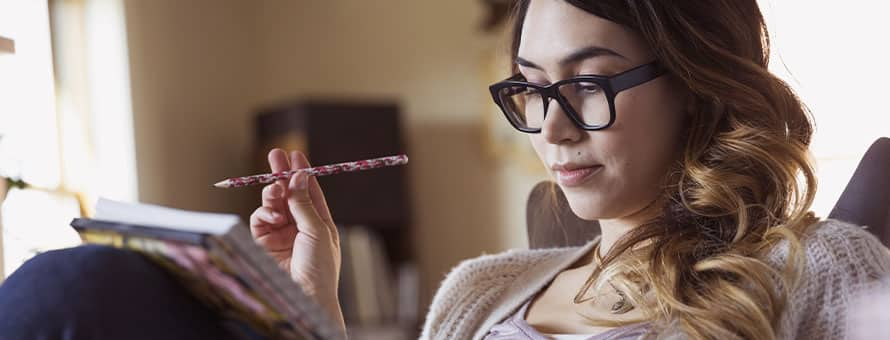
<point x="617" y="172"/>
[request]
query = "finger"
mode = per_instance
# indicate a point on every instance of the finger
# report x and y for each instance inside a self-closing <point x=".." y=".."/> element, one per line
<point x="317" y="196"/>
<point x="315" y="193"/>
<point x="279" y="240"/>
<point x="278" y="161"/>
<point x="273" y="196"/>
<point x="265" y="218"/>
<point x="302" y="209"/>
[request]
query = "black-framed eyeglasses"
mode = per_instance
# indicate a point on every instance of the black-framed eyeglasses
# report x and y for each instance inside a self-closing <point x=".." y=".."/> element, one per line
<point x="589" y="100"/>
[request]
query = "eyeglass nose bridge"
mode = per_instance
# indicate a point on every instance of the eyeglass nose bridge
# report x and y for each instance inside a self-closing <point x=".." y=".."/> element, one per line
<point x="546" y="101"/>
<point x="553" y="93"/>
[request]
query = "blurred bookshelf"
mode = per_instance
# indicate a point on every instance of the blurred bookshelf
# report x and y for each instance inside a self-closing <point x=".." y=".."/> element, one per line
<point x="379" y="283"/>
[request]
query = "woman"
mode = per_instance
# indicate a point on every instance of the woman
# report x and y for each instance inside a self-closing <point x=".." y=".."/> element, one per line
<point x="660" y="120"/>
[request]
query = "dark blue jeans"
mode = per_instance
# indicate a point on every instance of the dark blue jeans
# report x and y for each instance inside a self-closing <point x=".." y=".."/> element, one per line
<point x="94" y="292"/>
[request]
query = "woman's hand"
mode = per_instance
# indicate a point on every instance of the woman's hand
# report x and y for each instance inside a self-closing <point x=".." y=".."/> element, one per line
<point x="294" y="226"/>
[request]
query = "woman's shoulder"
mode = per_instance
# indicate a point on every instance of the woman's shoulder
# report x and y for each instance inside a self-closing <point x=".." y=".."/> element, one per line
<point x="487" y="270"/>
<point x="841" y="263"/>
<point x="833" y="242"/>
<point x="471" y="287"/>
<point x="512" y="261"/>
<point x="830" y="243"/>
<point x="842" y="251"/>
<point x="838" y="231"/>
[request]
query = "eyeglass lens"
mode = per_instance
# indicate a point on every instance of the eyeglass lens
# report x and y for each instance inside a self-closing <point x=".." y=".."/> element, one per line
<point x="526" y="104"/>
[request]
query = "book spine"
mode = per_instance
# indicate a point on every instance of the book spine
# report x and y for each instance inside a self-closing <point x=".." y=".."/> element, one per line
<point x="86" y="224"/>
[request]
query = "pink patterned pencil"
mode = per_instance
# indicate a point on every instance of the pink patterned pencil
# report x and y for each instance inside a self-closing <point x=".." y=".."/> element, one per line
<point x="323" y="170"/>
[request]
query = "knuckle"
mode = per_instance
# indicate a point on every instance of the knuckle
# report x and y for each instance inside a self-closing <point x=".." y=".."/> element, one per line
<point x="269" y="191"/>
<point x="255" y="219"/>
<point x="263" y="214"/>
<point x="300" y="201"/>
<point x="304" y="203"/>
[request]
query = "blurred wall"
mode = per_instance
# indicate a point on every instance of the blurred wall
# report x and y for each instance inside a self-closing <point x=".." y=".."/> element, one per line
<point x="426" y="54"/>
<point x="193" y="66"/>
<point x="200" y="66"/>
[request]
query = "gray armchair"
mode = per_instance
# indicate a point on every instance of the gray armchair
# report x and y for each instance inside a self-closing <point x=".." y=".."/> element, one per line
<point x="865" y="201"/>
<point x="551" y="222"/>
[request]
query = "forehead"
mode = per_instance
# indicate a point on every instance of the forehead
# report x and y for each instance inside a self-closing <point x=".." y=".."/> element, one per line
<point x="553" y="29"/>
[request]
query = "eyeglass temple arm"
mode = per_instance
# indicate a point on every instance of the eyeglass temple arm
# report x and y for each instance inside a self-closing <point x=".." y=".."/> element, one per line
<point x="636" y="76"/>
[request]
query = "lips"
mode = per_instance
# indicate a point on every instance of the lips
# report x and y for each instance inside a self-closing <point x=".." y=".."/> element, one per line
<point x="572" y="175"/>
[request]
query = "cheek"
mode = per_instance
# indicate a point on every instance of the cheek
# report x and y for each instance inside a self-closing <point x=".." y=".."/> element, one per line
<point x="646" y="140"/>
<point x="651" y="122"/>
<point x="537" y="142"/>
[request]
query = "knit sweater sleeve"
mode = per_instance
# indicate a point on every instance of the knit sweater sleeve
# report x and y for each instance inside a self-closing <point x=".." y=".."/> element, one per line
<point x="470" y="290"/>
<point x="843" y="262"/>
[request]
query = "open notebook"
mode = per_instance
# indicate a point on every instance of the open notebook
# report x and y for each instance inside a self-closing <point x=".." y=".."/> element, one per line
<point x="215" y="257"/>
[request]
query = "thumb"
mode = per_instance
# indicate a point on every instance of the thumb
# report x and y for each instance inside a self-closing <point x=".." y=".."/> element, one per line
<point x="300" y="204"/>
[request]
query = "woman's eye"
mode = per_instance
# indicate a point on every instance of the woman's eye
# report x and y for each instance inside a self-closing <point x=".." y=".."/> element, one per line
<point x="588" y="88"/>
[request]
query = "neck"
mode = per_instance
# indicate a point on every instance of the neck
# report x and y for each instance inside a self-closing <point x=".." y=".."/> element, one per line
<point x="611" y="230"/>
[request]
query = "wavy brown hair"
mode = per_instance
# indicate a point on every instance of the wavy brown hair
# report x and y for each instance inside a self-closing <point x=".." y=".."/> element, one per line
<point x="743" y="184"/>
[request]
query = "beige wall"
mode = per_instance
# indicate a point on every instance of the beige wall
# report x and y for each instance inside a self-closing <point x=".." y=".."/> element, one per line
<point x="198" y="67"/>
<point x="192" y="67"/>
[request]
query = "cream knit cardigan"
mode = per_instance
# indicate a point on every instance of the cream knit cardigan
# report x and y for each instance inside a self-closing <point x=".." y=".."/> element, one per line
<point x="842" y="262"/>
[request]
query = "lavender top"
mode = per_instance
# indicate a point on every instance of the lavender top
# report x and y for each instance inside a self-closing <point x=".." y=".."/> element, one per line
<point x="516" y="328"/>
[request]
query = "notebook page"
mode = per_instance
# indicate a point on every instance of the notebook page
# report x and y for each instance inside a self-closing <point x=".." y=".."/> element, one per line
<point x="169" y="218"/>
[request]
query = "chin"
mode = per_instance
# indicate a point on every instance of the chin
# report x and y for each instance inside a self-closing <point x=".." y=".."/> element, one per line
<point x="591" y="206"/>
<point x="586" y="207"/>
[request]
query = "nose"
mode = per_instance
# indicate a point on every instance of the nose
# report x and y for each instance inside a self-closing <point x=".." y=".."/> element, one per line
<point x="558" y="128"/>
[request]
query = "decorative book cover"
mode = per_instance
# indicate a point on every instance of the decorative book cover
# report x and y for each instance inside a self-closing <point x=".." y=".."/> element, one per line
<point x="214" y="257"/>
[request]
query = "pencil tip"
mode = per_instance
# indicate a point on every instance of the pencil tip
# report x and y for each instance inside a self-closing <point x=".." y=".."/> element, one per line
<point x="221" y="184"/>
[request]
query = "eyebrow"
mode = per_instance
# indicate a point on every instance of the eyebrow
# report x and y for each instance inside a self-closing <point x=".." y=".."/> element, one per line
<point x="576" y="56"/>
